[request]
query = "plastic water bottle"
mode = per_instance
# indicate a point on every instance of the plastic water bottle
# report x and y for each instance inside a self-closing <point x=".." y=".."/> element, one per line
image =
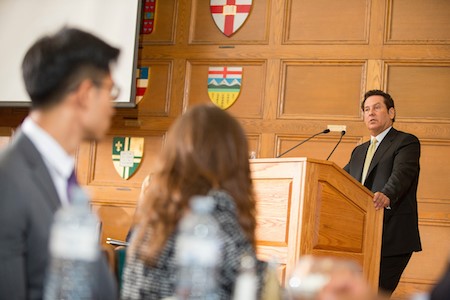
<point x="198" y="252"/>
<point x="246" y="287"/>
<point x="74" y="248"/>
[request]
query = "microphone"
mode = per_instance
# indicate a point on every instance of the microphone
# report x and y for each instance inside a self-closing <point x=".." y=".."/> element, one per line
<point x="340" y="139"/>
<point x="304" y="141"/>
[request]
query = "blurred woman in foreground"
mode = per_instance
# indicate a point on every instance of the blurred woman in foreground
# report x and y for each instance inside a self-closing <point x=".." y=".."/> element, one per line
<point x="206" y="153"/>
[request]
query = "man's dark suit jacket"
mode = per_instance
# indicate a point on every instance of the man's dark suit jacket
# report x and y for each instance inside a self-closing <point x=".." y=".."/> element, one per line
<point x="394" y="171"/>
<point x="28" y="201"/>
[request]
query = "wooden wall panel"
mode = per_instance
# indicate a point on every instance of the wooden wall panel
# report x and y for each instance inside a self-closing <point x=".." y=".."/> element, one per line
<point x="156" y="99"/>
<point x="250" y="100"/>
<point x="203" y="30"/>
<point x="165" y="24"/>
<point x="419" y="273"/>
<point x="418" y="21"/>
<point x="5" y="136"/>
<point x="434" y="210"/>
<point x="434" y="221"/>
<point x="421" y="89"/>
<point x="103" y="172"/>
<point x="12" y="117"/>
<point x="321" y="89"/>
<point x="254" y="144"/>
<point x="97" y="173"/>
<point x="317" y="21"/>
<point x="433" y="161"/>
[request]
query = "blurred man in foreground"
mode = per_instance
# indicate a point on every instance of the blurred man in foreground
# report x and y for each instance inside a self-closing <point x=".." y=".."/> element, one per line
<point x="68" y="78"/>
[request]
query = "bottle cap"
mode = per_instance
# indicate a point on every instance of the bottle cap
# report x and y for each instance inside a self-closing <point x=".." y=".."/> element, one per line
<point x="202" y="204"/>
<point x="79" y="196"/>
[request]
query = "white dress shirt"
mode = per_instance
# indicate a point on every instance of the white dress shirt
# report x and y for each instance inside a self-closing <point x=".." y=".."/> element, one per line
<point x="381" y="136"/>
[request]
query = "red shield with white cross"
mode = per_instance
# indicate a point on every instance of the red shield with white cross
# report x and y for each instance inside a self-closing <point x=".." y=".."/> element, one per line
<point x="230" y="15"/>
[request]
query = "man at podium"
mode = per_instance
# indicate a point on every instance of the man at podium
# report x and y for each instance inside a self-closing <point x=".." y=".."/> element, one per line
<point x="388" y="165"/>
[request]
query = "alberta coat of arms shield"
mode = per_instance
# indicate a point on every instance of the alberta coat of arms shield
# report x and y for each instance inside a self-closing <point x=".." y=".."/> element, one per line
<point x="224" y="85"/>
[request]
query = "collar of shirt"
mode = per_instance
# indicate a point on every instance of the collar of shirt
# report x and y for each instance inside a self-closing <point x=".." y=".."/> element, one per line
<point x="381" y="136"/>
<point x="58" y="162"/>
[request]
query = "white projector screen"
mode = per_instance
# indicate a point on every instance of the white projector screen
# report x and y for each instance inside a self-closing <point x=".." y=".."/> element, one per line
<point x="22" y="22"/>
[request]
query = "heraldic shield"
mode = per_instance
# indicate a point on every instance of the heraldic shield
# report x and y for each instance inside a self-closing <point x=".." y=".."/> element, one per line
<point x="148" y="17"/>
<point x="127" y="155"/>
<point x="230" y="15"/>
<point x="224" y="85"/>
<point x="142" y="78"/>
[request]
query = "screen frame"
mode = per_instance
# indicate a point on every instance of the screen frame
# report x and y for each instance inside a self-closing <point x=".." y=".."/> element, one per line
<point x="124" y="72"/>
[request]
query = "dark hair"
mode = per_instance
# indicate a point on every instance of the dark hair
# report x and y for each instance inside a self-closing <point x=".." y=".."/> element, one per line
<point x="388" y="101"/>
<point x="206" y="149"/>
<point x="57" y="64"/>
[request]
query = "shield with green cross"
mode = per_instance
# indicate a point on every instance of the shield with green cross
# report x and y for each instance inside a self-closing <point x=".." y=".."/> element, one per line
<point x="127" y="154"/>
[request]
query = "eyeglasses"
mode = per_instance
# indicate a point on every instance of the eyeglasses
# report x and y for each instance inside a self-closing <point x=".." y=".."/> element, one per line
<point x="114" y="91"/>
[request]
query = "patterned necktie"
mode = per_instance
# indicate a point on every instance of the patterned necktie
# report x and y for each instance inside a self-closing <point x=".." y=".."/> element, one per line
<point x="71" y="183"/>
<point x="369" y="155"/>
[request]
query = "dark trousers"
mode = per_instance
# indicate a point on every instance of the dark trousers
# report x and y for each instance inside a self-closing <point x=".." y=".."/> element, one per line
<point x="391" y="269"/>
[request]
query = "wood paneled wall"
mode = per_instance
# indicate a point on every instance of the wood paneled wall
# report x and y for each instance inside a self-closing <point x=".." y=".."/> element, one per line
<point x="306" y="65"/>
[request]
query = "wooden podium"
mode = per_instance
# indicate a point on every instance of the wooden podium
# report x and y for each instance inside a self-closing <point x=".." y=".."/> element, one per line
<point x="308" y="206"/>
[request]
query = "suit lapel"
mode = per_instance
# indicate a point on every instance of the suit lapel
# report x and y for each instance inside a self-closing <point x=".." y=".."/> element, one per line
<point x="384" y="146"/>
<point x="39" y="171"/>
<point x="45" y="183"/>
<point x="360" y="158"/>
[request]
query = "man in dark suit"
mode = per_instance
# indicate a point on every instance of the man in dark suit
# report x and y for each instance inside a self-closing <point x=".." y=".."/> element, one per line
<point x="392" y="174"/>
<point x="67" y="76"/>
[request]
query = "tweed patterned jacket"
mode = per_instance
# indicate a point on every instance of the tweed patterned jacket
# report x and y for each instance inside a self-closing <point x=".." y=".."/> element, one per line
<point x="141" y="281"/>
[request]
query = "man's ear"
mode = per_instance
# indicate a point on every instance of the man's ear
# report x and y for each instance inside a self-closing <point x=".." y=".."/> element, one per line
<point x="83" y="91"/>
<point x="392" y="113"/>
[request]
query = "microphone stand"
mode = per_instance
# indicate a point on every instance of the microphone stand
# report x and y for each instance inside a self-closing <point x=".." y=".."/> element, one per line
<point x="340" y="139"/>
<point x="302" y="142"/>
